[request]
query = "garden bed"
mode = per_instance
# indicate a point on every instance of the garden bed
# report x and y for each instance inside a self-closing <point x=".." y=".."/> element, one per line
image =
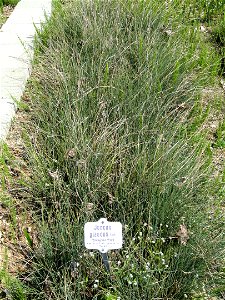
<point x="118" y="125"/>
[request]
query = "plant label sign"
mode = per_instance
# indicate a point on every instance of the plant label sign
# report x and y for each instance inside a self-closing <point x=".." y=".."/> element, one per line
<point x="103" y="235"/>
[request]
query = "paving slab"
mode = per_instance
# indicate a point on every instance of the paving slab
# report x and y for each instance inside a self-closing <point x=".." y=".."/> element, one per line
<point x="16" y="54"/>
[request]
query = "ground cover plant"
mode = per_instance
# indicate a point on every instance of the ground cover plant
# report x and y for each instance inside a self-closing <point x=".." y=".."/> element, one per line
<point x="114" y="91"/>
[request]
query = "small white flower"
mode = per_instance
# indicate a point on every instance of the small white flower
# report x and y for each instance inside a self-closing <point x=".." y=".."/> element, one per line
<point x="135" y="282"/>
<point x="145" y="224"/>
<point x="127" y="256"/>
<point x="153" y="242"/>
<point x="131" y="275"/>
<point x="96" y="280"/>
<point x="160" y="253"/>
<point x="167" y="225"/>
<point x="147" y="267"/>
<point x="163" y="240"/>
<point x="118" y="298"/>
<point x="129" y="282"/>
<point x="78" y="264"/>
<point x="91" y="254"/>
<point x="166" y="266"/>
<point x="140" y="233"/>
<point x="119" y="262"/>
<point x="95" y="286"/>
<point x="163" y="261"/>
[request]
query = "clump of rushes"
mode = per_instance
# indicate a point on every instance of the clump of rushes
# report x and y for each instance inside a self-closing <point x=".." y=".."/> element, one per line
<point x="112" y="86"/>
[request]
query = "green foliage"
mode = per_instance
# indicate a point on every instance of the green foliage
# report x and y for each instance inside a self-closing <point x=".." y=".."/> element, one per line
<point x="218" y="37"/>
<point x="211" y="12"/>
<point x="5" y="158"/>
<point x="115" y="83"/>
<point x="28" y="238"/>
<point x="15" y="290"/>
<point x="220" y="136"/>
<point x="10" y="2"/>
<point x="198" y="116"/>
<point x="203" y="10"/>
<point x="219" y="32"/>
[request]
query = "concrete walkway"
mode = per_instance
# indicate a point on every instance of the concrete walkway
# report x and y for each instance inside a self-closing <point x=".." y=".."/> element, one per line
<point x="16" y="54"/>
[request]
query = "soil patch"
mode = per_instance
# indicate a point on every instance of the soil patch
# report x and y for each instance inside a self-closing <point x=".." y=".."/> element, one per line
<point x="6" y="12"/>
<point x="15" y="220"/>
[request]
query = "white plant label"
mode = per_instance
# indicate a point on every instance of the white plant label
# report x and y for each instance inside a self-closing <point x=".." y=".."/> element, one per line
<point x="103" y="235"/>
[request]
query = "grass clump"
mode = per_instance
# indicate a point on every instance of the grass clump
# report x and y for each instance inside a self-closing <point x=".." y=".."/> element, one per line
<point x="209" y="15"/>
<point x="112" y="89"/>
<point x="203" y="10"/>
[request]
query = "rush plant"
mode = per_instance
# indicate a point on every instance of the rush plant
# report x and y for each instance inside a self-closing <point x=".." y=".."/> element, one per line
<point x="112" y="89"/>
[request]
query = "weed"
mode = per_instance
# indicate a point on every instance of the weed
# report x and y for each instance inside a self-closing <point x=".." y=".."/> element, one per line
<point x="220" y="136"/>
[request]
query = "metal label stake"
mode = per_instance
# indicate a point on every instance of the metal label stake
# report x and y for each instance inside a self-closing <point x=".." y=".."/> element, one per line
<point x="105" y="261"/>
